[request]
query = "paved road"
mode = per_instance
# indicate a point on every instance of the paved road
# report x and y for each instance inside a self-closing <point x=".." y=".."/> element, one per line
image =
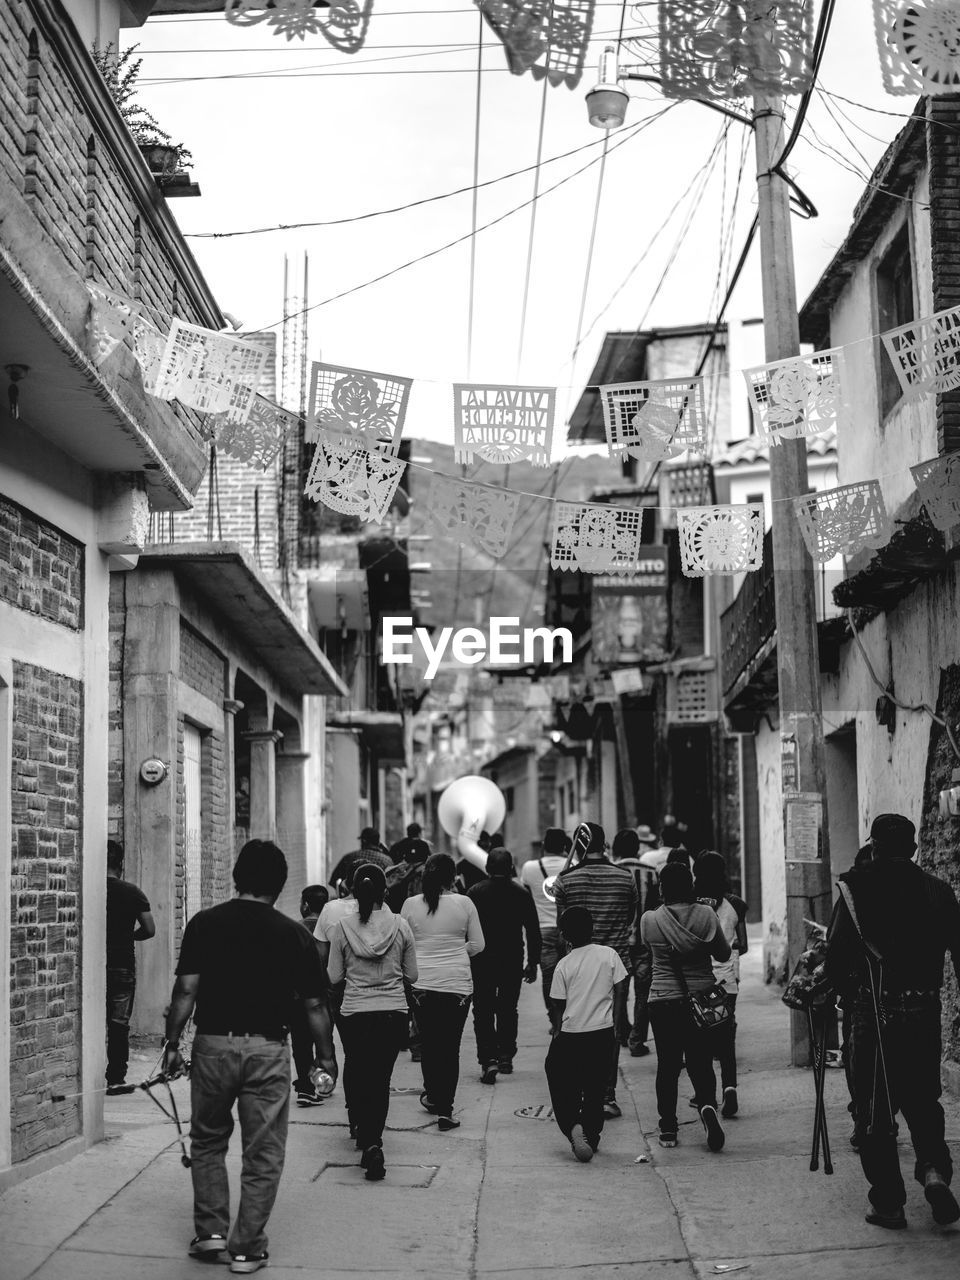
<point x="502" y="1196"/>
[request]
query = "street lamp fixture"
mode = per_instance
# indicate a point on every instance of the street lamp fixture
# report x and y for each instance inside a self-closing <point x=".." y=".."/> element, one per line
<point x="607" y="101"/>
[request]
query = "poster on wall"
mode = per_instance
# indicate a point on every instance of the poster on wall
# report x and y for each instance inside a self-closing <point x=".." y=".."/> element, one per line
<point x="629" y="612"/>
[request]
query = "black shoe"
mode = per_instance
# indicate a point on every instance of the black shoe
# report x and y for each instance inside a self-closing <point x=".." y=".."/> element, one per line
<point x="611" y="1110"/>
<point x="209" y="1248"/>
<point x="942" y="1201"/>
<point x="242" y="1264"/>
<point x="309" y="1098"/>
<point x="505" y="1066"/>
<point x="446" y="1123"/>
<point x="489" y="1073"/>
<point x="894" y="1221"/>
<point x="668" y="1139"/>
<point x="639" y="1051"/>
<point x="427" y="1105"/>
<point x="731" y="1103"/>
<point x="579" y="1145"/>
<point x="713" y="1127"/>
<point x="115" y="1090"/>
<point x="415" y="1055"/>
<point x="373" y="1162"/>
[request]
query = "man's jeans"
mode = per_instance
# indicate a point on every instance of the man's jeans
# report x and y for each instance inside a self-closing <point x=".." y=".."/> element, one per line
<point x="440" y="1016"/>
<point x="254" y="1073"/>
<point x="496" y="994"/>
<point x="578" y="1069"/>
<point x="911" y="1044"/>
<point x="552" y="952"/>
<point x="121" y="987"/>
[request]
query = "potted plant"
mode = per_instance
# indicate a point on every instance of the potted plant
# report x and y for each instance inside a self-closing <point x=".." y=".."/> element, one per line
<point x="121" y="72"/>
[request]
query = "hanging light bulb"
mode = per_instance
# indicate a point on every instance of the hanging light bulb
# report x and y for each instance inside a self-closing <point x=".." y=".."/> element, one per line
<point x="607" y="102"/>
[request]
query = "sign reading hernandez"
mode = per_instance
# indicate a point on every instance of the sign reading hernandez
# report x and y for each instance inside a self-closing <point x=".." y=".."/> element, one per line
<point x="651" y="576"/>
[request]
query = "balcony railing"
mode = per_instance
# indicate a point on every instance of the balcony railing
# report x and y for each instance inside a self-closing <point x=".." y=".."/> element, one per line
<point x="747" y="625"/>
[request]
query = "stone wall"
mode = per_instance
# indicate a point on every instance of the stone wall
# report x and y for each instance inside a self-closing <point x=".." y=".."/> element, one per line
<point x="45" y="908"/>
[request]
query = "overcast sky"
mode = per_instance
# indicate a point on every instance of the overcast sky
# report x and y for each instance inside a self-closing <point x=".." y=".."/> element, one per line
<point x="290" y="132"/>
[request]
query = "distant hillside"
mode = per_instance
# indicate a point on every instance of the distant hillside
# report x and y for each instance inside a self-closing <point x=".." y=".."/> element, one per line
<point x="514" y="586"/>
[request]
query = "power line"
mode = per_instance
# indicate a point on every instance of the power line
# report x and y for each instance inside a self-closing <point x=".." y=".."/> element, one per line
<point x="381" y="213"/>
<point x="423" y="257"/>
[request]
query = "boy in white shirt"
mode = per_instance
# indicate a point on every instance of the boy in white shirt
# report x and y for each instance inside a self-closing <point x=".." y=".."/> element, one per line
<point x="589" y="991"/>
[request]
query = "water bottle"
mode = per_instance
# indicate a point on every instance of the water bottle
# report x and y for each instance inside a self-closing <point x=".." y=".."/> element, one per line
<point x="323" y="1083"/>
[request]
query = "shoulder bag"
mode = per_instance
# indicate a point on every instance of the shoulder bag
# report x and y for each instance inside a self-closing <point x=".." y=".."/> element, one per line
<point x="708" y="1009"/>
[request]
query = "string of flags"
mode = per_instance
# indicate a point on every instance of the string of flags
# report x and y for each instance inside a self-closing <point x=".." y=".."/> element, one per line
<point x="355" y="418"/>
<point x="706" y="50"/>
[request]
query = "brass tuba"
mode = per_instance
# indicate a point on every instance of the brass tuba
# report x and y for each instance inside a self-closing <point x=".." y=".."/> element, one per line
<point x="468" y="807"/>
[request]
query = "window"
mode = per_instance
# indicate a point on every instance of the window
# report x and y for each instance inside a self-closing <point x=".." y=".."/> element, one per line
<point x="508" y="798"/>
<point x="894" y="307"/>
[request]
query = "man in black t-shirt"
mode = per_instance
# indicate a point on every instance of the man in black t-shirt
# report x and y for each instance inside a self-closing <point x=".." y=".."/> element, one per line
<point x="243" y="969"/>
<point x="128" y="921"/>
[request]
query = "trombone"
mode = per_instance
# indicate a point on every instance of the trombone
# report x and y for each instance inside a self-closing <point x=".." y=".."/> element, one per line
<point x="581" y="842"/>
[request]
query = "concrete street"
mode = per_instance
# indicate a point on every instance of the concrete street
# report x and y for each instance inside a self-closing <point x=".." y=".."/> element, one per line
<point x="503" y="1196"/>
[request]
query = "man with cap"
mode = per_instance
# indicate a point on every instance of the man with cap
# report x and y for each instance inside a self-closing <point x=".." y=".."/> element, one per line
<point x="370" y="851"/>
<point x="533" y="876"/>
<point x="609" y="893"/>
<point x="886" y="946"/>
<point x="507" y="916"/>
<point x="400" y="849"/>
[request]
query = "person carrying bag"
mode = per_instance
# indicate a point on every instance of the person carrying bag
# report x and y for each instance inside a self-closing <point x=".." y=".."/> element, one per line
<point x="686" y="1004"/>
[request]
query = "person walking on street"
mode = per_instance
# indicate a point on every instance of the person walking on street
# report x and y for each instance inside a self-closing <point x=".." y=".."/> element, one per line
<point x="400" y="849"/>
<point x="712" y="888"/>
<point x="312" y="901"/>
<point x="589" y="988"/>
<point x="447" y="933"/>
<point x="372" y="952"/>
<point x="533" y="876"/>
<point x="129" y="920"/>
<point x="886" y="945"/>
<point x="371" y="853"/>
<point x="609" y="893"/>
<point x="683" y="937"/>
<point x="507" y="915"/>
<point x="242" y="968"/>
<point x="626" y="854"/>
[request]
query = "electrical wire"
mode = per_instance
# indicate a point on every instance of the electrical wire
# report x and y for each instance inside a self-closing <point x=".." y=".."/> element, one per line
<point x="475" y="203"/>
<point x="904" y="706"/>
<point x="423" y="257"/>
<point x="400" y="208"/>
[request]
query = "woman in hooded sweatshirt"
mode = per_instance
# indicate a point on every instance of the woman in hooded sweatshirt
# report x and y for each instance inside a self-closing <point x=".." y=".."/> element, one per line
<point x="448" y="933"/>
<point x="684" y="938"/>
<point x="373" y="953"/>
<point x="712" y="888"/>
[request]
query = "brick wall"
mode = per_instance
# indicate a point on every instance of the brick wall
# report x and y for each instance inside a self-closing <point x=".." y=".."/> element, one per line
<point x="82" y="198"/>
<point x="943" y="149"/>
<point x="201" y="666"/>
<point x="246" y="498"/>
<point x="180" y="870"/>
<point x="117" y="629"/>
<point x="45" y="908"/>
<point x="41" y="569"/>
<point x="938" y="838"/>
<point x="217" y="853"/>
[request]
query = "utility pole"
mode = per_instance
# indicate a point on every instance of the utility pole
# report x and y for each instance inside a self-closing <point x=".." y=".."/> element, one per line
<point x="809" y="889"/>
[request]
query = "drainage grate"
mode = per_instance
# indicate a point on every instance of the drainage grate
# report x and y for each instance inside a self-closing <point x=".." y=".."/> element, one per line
<point x="347" y="1174"/>
<point x="539" y="1111"/>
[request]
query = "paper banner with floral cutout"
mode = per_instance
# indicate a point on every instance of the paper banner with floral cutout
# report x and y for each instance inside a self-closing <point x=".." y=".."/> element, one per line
<point x="149" y="345"/>
<point x="843" y="521"/>
<point x="474" y="515"/>
<point x="503" y="424"/>
<point x="259" y="439"/>
<point x="594" y="538"/>
<point x="801" y="396"/>
<point x="721" y="539"/>
<point x="210" y="372"/>
<point x="919" y="45"/>
<point x="735" y="48"/>
<point x="343" y="24"/>
<point x="938" y="482"/>
<point x="352" y="479"/>
<point x="365" y="407"/>
<point x="654" y="421"/>
<point x="545" y="37"/>
<point x="926" y="353"/>
<point x="112" y="321"/>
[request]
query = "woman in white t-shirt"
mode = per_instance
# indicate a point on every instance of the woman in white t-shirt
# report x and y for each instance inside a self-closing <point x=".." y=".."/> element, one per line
<point x="446" y="931"/>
